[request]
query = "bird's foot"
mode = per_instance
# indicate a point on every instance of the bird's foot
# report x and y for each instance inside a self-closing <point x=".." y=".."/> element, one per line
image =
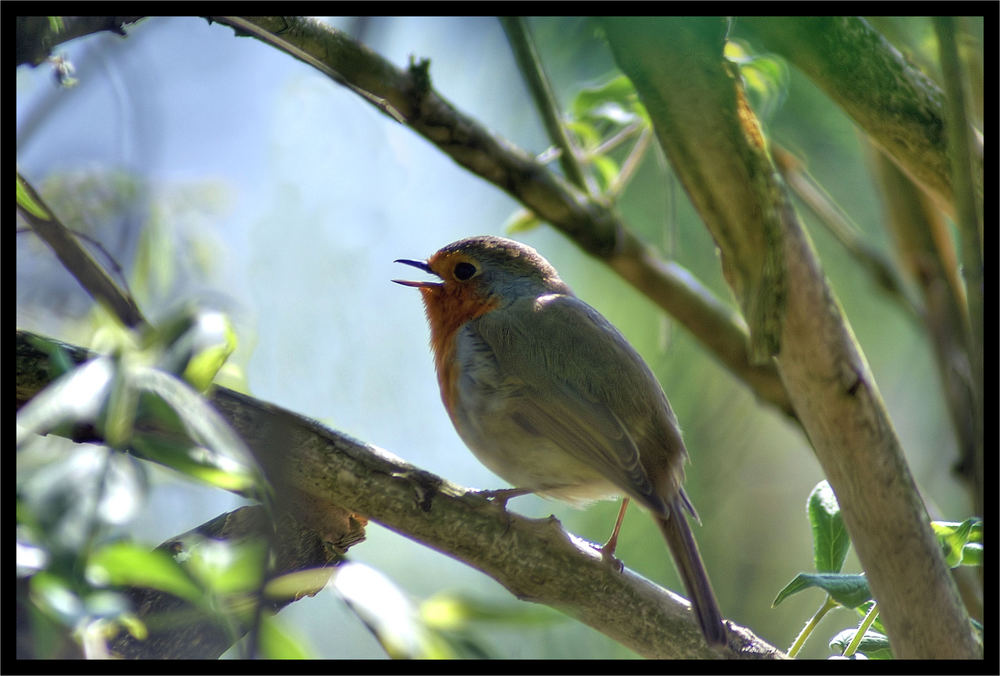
<point x="500" y="496"/>
<point x="608" y="556"/>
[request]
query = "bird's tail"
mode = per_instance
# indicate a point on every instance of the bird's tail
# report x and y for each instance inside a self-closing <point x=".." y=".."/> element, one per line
<point x="679" y="538"/>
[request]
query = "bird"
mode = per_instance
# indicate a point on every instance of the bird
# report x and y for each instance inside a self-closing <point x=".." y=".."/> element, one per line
<point x="553" y="399"/>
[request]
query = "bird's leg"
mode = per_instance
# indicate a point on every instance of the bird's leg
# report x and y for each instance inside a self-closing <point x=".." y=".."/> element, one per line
<point x="608" y="549"/>
<point x="500" y="496"/>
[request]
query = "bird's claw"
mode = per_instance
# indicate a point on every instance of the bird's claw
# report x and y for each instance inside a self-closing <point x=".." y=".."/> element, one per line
<point x="501" y="496"/>
<point x="609" y="558"/>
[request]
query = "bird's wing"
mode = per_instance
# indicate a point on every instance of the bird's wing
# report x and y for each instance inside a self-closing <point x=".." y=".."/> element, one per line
<point x="578" y="386"/>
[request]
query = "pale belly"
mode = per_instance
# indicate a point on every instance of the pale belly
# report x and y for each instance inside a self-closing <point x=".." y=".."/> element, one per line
<point x="512" y="449"/>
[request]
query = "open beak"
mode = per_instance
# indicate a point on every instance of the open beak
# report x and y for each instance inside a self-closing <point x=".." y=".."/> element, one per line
<point x="422" y="266"/>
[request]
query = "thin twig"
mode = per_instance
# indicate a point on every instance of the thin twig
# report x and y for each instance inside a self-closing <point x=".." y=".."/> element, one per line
<point x="631" y="163"/>
<point x="531" y="68"/>
<point x="968" y="216"/>
<point x="836" y="220"/>
<point x="923" y="243"/>
<point x="304" y="56"/>
<point x="111" y="261"/>
<point x="620" y="137"/>
<point x="78" y="262"/>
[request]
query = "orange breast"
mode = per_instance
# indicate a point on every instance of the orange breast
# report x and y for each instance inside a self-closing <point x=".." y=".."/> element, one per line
<point x="449" y="308"/>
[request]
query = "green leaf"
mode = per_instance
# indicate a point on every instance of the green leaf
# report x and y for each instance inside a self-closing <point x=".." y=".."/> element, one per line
<point x="765" y="77"/>
<point x="64" y="503"/>
<point x="586" y="134"/>
<point x="972" y="554"/>
<point x="77" y="396"/>
<point x="451" y="611"/>
<point x="960" y="541"/>
<point x="216" y="340"/>
<point x="607" y="168"/>
<point x="874" y="646"/>
<point x="830" y="540"/>
<point x="52" y="593"/>
<point x="227" y="567"/>
<point x="277" y="644"/>
<point x="849" y="591"/>
<point x="295" y="585"/>
<point x="155" y="267"/>
<point x="590" y="99"/>
<point x="27" y="202"/>
<point x="219" y="447"/>
<point x="522" y="220"/>
<point x="131" y="565"/>
<point x="119" y="418"/>
<point x="193" y="342"/>
<point x="193" y="461"/>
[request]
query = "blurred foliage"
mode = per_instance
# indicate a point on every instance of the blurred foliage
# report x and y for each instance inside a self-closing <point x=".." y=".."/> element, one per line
<point x="71" y="506"/>
<point x="444" y="626"/>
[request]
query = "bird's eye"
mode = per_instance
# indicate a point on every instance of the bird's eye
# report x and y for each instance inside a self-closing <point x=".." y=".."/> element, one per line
<point x="464" y="271"/>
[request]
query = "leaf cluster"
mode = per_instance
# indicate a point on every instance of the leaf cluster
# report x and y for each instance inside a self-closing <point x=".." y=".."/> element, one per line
<point x="960" y="542"/>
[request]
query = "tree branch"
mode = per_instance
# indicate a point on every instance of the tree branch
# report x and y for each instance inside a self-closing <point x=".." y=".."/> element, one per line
<point x="314" y="469"/>
<point x="75" y="258"/>
<point x="869" y="258"/>
<point x="545" y="101"/>
<point x="922" y="240"/>
<point x="898" y="106"/>
<point x="714" y="144"/>
<point x="967" y="176"/>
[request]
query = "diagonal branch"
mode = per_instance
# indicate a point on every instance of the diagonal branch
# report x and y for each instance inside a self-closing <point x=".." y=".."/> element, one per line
<point x="965" y="155"/>
<point x="91" y="276"/>
<point x="313" y="468"/>
<point x="545" y="100"/>
<point x="898" y="106"/>
<point x="921" y="238"/>
<point x="869" y="258"/>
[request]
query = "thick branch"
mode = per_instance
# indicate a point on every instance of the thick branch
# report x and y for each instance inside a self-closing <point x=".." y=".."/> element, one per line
<point x="898" y="106"/>
<point x="713" y="142"/>
<point x="312" y="467"/>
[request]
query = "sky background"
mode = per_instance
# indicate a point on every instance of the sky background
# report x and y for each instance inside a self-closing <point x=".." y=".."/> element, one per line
<point x="283" y="198"/>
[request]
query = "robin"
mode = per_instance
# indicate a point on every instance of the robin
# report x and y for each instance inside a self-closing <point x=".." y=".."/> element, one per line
<point x="552" y="398"/>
